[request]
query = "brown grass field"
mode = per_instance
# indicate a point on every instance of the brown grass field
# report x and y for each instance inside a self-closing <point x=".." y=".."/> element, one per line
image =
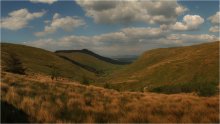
<point x="64" y="101"/>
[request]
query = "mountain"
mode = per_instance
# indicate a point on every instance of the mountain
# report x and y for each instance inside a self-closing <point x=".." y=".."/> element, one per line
<point x="37" y="60"/>
<point x="125" y="58"/>
<point x="164" y="69"/>
<point x="91" y="61"/>
<point x="167" y="70"/>
<point x="86" y="51"/>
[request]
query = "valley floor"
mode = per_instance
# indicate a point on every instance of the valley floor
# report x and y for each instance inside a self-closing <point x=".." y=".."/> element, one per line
<point x="65" y="101"/>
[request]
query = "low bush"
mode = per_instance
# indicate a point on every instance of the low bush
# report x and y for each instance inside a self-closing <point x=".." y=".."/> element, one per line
<point x="14" y="65"/>
<point x="107" y="85"/>
<point x="55" y="73"/>
<point x="85" y="81"/>
<point x="202" y="89"/>
<point x="207" y="89"/>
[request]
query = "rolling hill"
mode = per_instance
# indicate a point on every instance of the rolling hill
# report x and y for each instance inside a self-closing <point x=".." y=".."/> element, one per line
<point x="167" y="70"/>
<point x="91" y="61"/>
<point x="37" y="60"/>
<point x="176" y="68"/>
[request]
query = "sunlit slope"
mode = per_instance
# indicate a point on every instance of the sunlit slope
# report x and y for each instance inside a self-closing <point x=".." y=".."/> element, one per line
<point x="39" y="60"/>
<point x="86" y="59"/>
<point x="70" y="102"/>
<point x="165" y="66"/>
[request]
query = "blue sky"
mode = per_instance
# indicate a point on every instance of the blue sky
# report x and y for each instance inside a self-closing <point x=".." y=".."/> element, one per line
<point x="109" y="28"/>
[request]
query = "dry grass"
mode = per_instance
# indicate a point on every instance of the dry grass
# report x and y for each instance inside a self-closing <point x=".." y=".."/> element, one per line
<point x="64" y="102"/>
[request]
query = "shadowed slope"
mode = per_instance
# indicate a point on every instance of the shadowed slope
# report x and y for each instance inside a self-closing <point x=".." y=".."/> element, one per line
<point x="91" y="61"/>
<point x="10" y="114"/>
<point x="85" y="51"/>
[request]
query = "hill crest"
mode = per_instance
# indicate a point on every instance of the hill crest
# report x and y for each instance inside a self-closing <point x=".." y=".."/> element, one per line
<point x="175" y="66"/>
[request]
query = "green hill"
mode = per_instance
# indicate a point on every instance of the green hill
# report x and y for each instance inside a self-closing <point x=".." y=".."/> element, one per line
<point x="39" y="61"/>
<point x="164" y="69"/>
<point x="91" y="61"/>
<point x="168" y="70"/>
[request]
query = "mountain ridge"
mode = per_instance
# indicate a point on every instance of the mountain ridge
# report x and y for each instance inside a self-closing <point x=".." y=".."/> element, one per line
<point x="86" y="51"/>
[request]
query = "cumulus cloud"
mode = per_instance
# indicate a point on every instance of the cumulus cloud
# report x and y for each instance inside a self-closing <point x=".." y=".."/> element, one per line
<point x="189" y="39"/>
<point x="215" y="18"/>
<point x="43" y="1"/>
<point x="161" y="12"/>
<point x="190" y="22"/>
<point x="122" y="37"/>
<point x="66" y="23"/>
<point x="148" y="33"/>
<point x="125" y="41"/>
<point x="214" y="28"/>
<point x="215" y="22"/>
<point x="19" y="19"/>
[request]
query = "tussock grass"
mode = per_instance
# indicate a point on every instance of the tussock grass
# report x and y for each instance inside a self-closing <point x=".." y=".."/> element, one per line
<point x="64" y="102"/>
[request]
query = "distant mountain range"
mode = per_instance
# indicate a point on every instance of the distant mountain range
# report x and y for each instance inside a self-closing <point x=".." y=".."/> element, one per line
<point x="125" y="58"/>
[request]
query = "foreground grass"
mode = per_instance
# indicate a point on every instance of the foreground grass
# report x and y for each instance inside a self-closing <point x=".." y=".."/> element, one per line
<point x="66" y="101"/>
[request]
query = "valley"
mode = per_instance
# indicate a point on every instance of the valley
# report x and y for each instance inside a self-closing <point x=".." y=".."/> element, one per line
<point x="110" y="61"/>
<point x="156" y="87"/>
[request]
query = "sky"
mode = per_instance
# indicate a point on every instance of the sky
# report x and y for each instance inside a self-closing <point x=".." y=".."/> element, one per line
<point x="110" y="27"/>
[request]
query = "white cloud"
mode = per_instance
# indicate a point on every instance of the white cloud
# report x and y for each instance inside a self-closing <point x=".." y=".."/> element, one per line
<point x="214" y="29"/>
<point x="19" y="19"/>
<point x="189" y="39"/>
<point x="43" y="1"/>
<point x="215" y="22"/>
<point x="125" y="41"/>
<point x="66" y="23"/>
<point x="130" y="11"/>
<point x="215" y="18"/>
<point x="149" y="33"/>
<point x="124" y="37"/>
<point x="190" y="22"/>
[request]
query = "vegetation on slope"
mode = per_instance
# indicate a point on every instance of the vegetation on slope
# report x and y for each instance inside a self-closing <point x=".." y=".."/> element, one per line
<point x="91" y="61"/>
<point x="172" y="67"/>
<point x="37" y="60"/>
<point x="65" y="102"/>
<point x="88" y="52"/>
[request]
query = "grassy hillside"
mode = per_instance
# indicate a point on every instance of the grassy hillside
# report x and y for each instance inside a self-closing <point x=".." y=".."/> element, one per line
<point x="69" y="102"/>
<point x="86" y="51"/>
<point x="172" y="68"/>
<point x="90" y="61"/>
<point x="37" y="60"/>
